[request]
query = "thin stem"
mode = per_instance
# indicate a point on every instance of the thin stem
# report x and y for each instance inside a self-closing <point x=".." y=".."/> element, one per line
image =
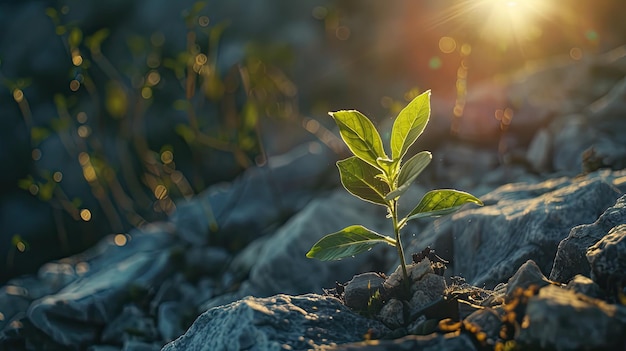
<point x="396" y="230"/>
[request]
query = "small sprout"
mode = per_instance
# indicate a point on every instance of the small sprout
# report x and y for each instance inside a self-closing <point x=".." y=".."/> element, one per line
<point x="373" y="176"/>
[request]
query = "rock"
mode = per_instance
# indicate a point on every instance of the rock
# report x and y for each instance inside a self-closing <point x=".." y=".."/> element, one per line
<point x="584" y="285"/>
<point x="278" y="322"/>
<point x="432" y="342"/>
<point x="607" y="259"/>
<point x="392" y="314"/>
<point x="133" y="345"/>
<point x="518" y="222"/>
<point x="170" y="321"/>
<point x="57" y="274"/>
<point x="74" y="315"/>
<point x="209" y="260"/>
<point x="570" y="256"/>
<point x="415" y="271"/>
<point x="261" y="196"/>
<point x="539" y="151"/>
<point x="488" y="321"/>
<point x="426" y="291"/>
<point x="360" y="289"/>
<point x="561" y="319"/>
<point x="130" y="325"/>
<point x="282" y="265"/>
<point x="526" y="276"/>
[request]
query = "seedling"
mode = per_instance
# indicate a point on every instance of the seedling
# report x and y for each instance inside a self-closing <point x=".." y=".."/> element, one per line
<point x="373" y="176"/>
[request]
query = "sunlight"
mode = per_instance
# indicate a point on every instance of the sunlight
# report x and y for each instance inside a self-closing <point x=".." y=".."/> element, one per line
<point x="510" y="22"/>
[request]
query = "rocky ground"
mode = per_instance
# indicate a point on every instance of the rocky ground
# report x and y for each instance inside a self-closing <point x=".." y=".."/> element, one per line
<point x="540" y="266"/>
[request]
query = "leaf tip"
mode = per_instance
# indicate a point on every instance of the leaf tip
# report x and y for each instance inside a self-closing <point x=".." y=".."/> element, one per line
<point x="311" y="253"/>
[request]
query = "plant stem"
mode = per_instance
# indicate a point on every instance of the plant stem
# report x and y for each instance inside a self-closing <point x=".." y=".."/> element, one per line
<point x="396" y="230"/>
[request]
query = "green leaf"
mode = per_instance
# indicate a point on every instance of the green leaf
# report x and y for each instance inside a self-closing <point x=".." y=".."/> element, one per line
<point x="409" y="171"/>
<point x="359" y="178"/>
<point x="441" y="202"/>
<point x="409" y="125"/>
<point x="347" y="242"/>
<point x="360" y="135"/>
<point x="389" y="168"/>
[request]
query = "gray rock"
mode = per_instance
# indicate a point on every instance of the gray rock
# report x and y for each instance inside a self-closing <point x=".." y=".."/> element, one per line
<point x="607" y="259"/>
<point x="562" y="320"/>
<point x="426" y="291"/>
<point x="274" y="323"/>
<point x="584" y="285"/>
<point x="415" y="271"/>
<point x="170" y="320"/>
<point x="392" y="314"/>
<point x="539" y="151"/>
<point x="209" y="260"/>
<point x="130" y="325"/>
<point x="360" y="289"/>
<point x="234" y="214"/>
<point x="74" y="315"/>
<point x="432" y="342"/>
<point x="17" y="295"/>
<point x="570" y="256"/>
<point x="134" y="345"/>
<point x="518" y="222"/>
<point x="487" y="321"/>
<point x="282" y="265"/>
<point x="527" y="275"/>
<point x="57" y="274"/>
<point x="573" y="135"/>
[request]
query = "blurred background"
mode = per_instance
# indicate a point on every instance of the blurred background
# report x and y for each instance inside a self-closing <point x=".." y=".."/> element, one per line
<point x="112" y="111"/>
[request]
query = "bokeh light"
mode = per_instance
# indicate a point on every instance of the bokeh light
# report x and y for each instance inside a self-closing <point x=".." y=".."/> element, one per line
<point x="576" y="54"/>
<point x="160" y="192"/>
<point x="167" y="157"/>
<point x="81" y="268"/>
<point x="57" y="176"/>
<point x="18" y="95"/>
<point x="36" y="154"/>
<point x="74" y="85"/>
<point x="342" y="33"/>
<point x="320" y="12"/>
<point x="77" y="59"/>
<point x="120" y="239"/>
<point x="203" y="21"/>
<point x="447" y="45"/>
<point x="81" y="117"/>
<point x="84" y="131"/>
<point x="146" y="93"/>
<point x="85" y="215"/>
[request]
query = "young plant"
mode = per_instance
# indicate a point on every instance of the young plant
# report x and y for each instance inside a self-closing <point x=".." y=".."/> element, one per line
<point x="373" y="176"/>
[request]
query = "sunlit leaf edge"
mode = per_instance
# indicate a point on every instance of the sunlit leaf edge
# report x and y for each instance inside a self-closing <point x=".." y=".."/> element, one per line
<point x="340" y="245"/>
<point x="423" y="209"/>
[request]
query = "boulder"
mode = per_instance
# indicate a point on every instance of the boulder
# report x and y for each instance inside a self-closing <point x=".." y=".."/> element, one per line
<point x="281" y="265"/>
<point x="110" y="276"/>
<point x="570" y="256"/>
<point x="526" y="276"/>
<point x="130" y="325"/>
<point x="361" y="288"/>
<point x="607" y="259"/>
<point x="274" y="323"/>
<point x="584" y="285"/>
<point x="233" y="214"/>
<point x="519" y="222"/>
<point x="562" y="320"/>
